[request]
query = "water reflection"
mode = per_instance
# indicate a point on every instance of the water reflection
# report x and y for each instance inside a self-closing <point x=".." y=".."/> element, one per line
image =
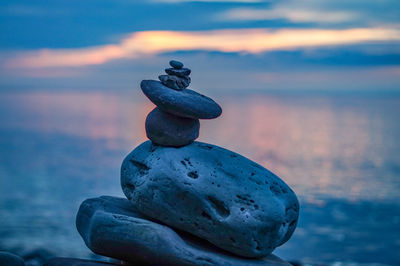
<point x="321" y="146"/>
<point x="340" y="155"/>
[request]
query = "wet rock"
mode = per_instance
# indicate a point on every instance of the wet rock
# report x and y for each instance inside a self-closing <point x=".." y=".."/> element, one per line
<point x="75" y="262"/>
<point x="213" y="193"/>
<point x="185" y="103"/>
<point x="174" y="82"/>
<point x="176" y="64"/>
<point x="184" y="72"/>
<point x="9" y="259"/>
<point x="169" y="130"/>
<point x="113" y="227"/>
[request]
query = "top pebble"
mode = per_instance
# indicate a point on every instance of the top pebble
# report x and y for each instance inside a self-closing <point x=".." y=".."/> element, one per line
<point x="175" y="64"/>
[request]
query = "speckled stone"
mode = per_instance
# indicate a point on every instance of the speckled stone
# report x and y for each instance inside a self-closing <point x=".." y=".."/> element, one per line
<point x="176" y="64"/>
<point x="174" y="82"/>
<point x="183" y="72"/>
<point x="185" y="103"/>
<point x="9" y="259"/>
<point x="169" y="130"/>
<point x="213" y="193"/>
<point x="114" y="228"/>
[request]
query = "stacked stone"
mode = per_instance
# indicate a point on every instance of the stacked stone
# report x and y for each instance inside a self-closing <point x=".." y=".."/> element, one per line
<point x="177" y="77"/>
<point x="188" y="202"/>
<point x="175" y="120"/>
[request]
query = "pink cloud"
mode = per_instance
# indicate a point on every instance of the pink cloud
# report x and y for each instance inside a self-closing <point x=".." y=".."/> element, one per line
<point x="154" y="42"/>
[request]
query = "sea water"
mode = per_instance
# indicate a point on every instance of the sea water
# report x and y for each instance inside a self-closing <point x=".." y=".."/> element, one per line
<point x="340" y="154"/>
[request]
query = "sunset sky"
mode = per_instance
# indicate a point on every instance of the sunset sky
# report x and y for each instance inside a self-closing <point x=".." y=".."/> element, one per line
<point x="231" y="46"/>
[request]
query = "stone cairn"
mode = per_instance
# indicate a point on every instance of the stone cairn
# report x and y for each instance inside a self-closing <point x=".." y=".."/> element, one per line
<point x="188" y="202"/>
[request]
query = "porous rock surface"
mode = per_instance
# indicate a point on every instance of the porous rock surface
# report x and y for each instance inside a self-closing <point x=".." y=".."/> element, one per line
<point x="213" y="193"/>
<point x="113" y="227"/>
<point x="169" y="130"/>
<point x="184" y="103"/>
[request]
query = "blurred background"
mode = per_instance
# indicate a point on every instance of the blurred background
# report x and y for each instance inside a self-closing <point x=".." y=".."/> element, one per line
<point x="310" y="89"/>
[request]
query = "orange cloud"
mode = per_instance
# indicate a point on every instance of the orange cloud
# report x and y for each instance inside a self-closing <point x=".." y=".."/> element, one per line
<point x="242" y="40"/>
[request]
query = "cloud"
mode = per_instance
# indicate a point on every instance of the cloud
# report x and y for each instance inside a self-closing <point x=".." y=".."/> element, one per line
<point x="316" y="11"/>
<point x="209" y="1"/>
<point x="293" y="15"/>
<point x="147" y="43"/>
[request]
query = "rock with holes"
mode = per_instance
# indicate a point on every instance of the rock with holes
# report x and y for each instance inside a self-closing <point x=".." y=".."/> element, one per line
<point x="113" y="227"/>
<point x="213" y="193"/>
<point x="184" y="103"/>
<point x="169" y="130"/>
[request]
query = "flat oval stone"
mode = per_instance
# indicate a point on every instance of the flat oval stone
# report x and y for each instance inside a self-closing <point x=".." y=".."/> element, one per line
<point x="213" y="193"/>
<point x="185" y="103"/>
<point x="170" y="130"/>
<point x="178" y="72"/>
<point x="113" y="227"/>
<point x="176" y="64"/>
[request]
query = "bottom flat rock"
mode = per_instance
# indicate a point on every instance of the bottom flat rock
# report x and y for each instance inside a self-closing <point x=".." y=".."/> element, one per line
<point x="112" y="227"/>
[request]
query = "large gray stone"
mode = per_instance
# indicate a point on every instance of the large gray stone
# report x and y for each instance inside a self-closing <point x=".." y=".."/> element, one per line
<point x="169" y="130"/>
<point x="213" y="193"/>
<point x="185" y="103"/>
<point x="113" y="227"/>
<point x="9" y="259"/>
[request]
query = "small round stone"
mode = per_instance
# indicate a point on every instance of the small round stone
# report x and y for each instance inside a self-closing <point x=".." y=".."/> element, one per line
<point x="185" y="103"/>
<point x="174" y="82"/>
<point x="178" y="72"/>
<point x="176" y="64"/>
<point x="171" y="82"/>
<point x="169" y="130"/>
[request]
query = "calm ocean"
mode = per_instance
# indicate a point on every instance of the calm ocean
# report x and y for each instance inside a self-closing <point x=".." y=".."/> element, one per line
<point x="340" y="154"/>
